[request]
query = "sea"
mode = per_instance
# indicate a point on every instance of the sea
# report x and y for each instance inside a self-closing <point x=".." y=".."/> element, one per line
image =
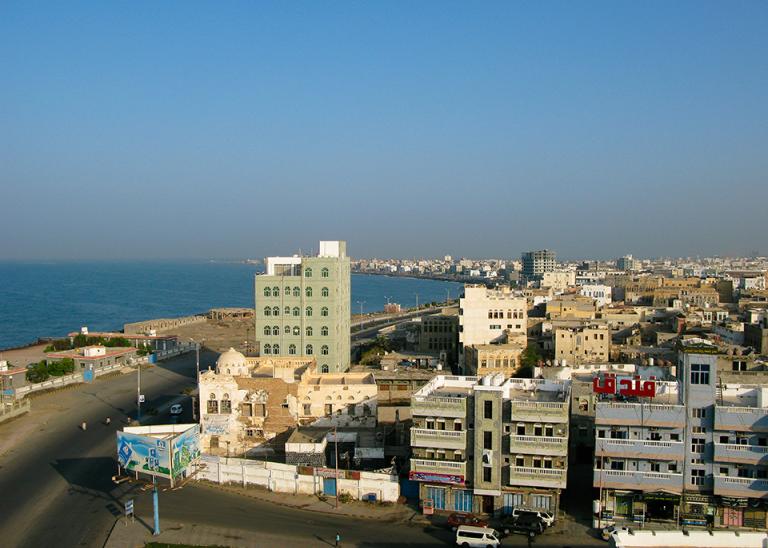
<point x="51" y="299"/>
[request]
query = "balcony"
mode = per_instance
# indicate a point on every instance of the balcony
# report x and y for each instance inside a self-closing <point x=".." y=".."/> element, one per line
<point x="533" y="411"/>
<point x="636" y="414"/>
<point x="726" y="486"/>
<point x="743" y="454"/>
<point x="538" y="445"/>
<point x="438" y="406"/>
<point x="439" y="439"/>
<point x="642" y="449"/>
<point x="742" y="419"/>
<point x="537" y="477"/>
<point x="645" y="481"/>
<point x="438" y="471"/>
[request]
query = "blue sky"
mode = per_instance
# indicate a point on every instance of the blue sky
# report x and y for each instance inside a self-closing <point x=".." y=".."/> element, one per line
<point x="226" y="129"/>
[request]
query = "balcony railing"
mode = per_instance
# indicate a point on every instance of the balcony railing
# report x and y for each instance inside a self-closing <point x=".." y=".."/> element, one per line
<point x="539" y="445"/>
<point x="438" y="471"/>
<point x="537" y="477"/>
<point x="438" y="406"/>
<point x="741" y="418"/>
<point x="539" y="411"/>
<point x="745" y="454"/>
<point x="439" y="439"/>
<point x="627" y="479"/>
<point x="741" y="487"/>
<point x="646" y="449"/>
<point x="639" y="414"/>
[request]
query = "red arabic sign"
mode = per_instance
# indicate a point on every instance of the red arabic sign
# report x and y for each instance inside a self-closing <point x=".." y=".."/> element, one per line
<point x="626" y="386"/>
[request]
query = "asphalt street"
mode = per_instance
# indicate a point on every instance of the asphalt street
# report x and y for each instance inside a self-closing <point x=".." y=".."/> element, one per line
<point x="56" y="483"/>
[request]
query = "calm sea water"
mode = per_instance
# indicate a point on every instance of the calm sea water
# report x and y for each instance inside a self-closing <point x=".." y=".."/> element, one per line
<point x="52" y="299"/>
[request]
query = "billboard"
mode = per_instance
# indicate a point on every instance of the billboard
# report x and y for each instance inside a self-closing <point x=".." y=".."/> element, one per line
<point x="140" y="453"/>
<point x="164" y="451"/>
<point x="185" y="448"/>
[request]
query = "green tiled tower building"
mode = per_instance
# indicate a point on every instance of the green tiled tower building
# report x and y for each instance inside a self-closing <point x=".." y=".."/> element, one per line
<point x="302" y="307"/>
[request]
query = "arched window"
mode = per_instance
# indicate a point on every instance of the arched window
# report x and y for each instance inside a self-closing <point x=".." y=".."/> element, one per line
<point x="267" y="311"/>
<point x="296" y="311"/>
<point x="275" y="291"/>
<point x="296" y="331"/>
<point x="266" y="330"/>
<point x="287" y="291"/>
<point x="267" y="292"/>
<point x="226" y="404"/>
<point x="309" y="350"/>
<point x="309" y="331"/>
<point x="324" y="272"/>
<point x="275" y="348"/>
<point x="287" y="330"/>
<point x="324" y="368"/>
<point x="213" y="405"/>
<point x="276" y="311"/>
<point x="296" y="292"/>
<point x="324" y="350"/>
<point x="324" y="331"/>
<point x="307" y="272"/>
<point x="287" y="310"/>
<point x="292" y="349"/>
<point x="324" y="311"/>
<point x="309" y="311"/>
<point x="267" y="348"/>
<point x="275" y="331"/>
<point x="324" y="292"/>
<point x="308" y="292"/>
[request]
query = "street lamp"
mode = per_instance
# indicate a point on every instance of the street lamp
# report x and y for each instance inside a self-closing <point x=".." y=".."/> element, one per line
<point x="362" y="319"/>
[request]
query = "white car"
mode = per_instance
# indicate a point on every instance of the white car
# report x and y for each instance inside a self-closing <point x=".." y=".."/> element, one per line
<point x="546" y="518"/>
<point x="480" y="537"/>
<point x="611" y="530"/>
<point x="176" y="409"/>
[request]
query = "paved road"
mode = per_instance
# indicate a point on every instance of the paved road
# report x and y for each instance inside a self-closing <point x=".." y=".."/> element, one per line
<point x="55" y="485"/>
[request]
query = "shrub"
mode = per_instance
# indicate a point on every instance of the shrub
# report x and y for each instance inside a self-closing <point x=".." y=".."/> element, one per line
<point x="38" y="373"/>
<point x="345" y="497"/>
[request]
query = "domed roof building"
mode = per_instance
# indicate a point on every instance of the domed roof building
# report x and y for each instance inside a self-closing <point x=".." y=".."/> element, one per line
<point x="231" y="362"/>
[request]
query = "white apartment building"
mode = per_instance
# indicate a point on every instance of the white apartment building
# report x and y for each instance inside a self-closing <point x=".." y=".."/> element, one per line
<point x="488" y="316"/>
<point x="600" y="293"/>
<point x="558" y="280"/>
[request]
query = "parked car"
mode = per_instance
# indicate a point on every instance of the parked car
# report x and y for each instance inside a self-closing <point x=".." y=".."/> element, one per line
<point x="176" y="409"/>
<point x="547" y="518"/>
<point x="522" y="524"/>
<point x="481" y="537"/>
<point x="611" y="530"/>
<point x="457" y="520"/>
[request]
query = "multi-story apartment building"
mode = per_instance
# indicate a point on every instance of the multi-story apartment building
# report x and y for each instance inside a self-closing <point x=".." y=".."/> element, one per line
<point x="483" y="444"/>
<point x="536" y="263"/>
<point x="693" y="451"/>
<point x="627" y="263"/>
<point x="488" y="316"/>
<point x="558" y="280"/>
<point x="599" y="292"/>
<point x="504" y="358"/>
<point x="588" y="343"/>
<point x="302" y="307"/>
<point x="439" y="334"/>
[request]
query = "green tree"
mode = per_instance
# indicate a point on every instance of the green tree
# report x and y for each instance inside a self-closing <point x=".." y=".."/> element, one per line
<point x="117" y="341"/>
<point x="530" y="357"/>
<point x="37" y="372"/>
<point x="61" y="367"/>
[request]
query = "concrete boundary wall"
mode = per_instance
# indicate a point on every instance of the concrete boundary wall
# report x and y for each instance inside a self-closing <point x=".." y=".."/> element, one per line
<point x="11" y="410"/>
<point x="692" y="539"/>
<point x="64" y="380"/>
<point x="284" y="478"/>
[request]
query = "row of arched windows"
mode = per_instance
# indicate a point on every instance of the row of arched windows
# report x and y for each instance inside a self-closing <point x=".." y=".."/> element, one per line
<point x="296" y="291"/>
<point x="274" y="349"/>
<point x="324" y="272"/>
<point x="296" y="331"/>
<point x="295" y="311"/>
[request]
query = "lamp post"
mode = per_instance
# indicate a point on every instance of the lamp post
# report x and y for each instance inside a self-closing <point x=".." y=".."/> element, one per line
<point x="447" y="296"/>
<point x="417" y="300"/>
<point x="362" y="319"/>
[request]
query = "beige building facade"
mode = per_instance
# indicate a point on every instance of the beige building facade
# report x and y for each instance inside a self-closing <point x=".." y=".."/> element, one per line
<point x="590" y="343"/>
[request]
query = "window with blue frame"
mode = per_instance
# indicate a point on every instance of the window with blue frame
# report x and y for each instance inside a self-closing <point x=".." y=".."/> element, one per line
<point x="462" y="500"/>
<point x="437" y="495"/>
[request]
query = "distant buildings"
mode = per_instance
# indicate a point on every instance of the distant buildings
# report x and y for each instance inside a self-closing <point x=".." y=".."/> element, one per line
<point x="589" y="343"/>
<point x="303" y="307"/>
<point x="490" y="316"/>
<point x="536" y="263"/>
<point x="627" y="263"/>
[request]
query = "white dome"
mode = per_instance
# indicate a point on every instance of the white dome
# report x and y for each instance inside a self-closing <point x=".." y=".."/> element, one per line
<point x="230" y="358"/>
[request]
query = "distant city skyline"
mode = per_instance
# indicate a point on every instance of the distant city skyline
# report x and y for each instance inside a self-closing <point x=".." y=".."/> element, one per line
<point x="202" y="130"/>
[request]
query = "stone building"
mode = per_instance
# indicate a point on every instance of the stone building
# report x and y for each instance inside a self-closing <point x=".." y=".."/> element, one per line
<point x="588" y="343"/>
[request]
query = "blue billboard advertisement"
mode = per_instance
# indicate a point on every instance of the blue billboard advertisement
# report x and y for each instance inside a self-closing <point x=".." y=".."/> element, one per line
<point x="146" y="454"/>
<point x="185" y="449"/>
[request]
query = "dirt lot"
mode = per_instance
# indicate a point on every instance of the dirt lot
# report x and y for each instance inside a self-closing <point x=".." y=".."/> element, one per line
<point x="22" y="357"/>
<point x="220" y="335"/>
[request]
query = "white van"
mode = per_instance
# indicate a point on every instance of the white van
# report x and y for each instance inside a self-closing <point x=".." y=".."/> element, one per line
<point x="481" y="537"/>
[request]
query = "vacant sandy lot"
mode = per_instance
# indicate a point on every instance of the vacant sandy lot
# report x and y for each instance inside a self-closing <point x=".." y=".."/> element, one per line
<point x="220" y="335"/>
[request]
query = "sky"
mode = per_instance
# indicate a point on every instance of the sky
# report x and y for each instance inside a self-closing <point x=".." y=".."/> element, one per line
<point x="245" y="129"/>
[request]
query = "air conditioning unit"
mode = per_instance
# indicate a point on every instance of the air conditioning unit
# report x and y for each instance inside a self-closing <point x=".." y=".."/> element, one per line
<point x="487" y="457"/>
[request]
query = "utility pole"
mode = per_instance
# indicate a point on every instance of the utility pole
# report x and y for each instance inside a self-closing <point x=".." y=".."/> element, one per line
<point x="156" y="503"/>
<point x="138" y="393"/>
<point x="447" y="296"/>
<point x="336" y="462"/>
<point x="417" y="300"/>
<point x="362" y="319"/>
